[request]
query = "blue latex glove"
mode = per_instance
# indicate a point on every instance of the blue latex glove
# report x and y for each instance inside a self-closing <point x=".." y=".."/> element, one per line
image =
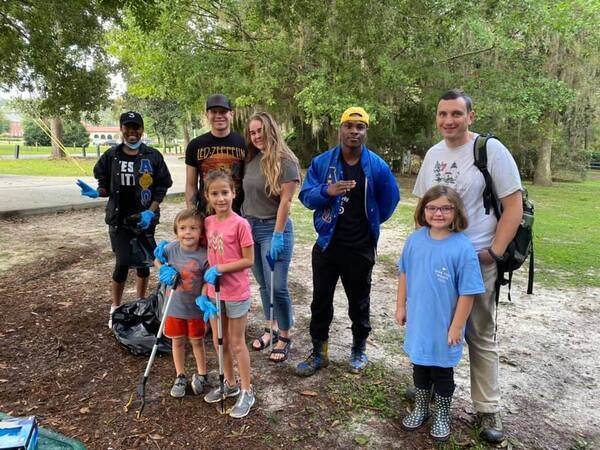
<point x="159" y="252"/>
<point x="210" y="276"/>
<point x="207" y="307"/>
<point x="276" y="245"/>
<point x="87" y="190"/>
<point x="167" y="274"/>
<point x="145" y="219"/>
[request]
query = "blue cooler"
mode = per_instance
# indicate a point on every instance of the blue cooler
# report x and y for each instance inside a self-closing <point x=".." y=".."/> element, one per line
<point x="18" y="433"/>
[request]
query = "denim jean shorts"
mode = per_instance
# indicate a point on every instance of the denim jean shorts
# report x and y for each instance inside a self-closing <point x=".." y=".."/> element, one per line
<point x="234" y="309"/>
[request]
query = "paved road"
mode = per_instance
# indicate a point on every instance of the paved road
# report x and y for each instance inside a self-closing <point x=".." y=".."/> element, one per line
<point x="26" y="195"/>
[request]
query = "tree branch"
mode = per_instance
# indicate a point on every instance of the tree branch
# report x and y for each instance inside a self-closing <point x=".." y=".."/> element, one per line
<point x="10" y="22"/>
<point x="474" y="52"/>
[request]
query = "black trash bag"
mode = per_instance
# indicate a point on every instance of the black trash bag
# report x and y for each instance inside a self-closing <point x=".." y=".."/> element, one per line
<point x="141" y="246"/>
<point x="141" y="252"/>
<point x="136" y="324"/>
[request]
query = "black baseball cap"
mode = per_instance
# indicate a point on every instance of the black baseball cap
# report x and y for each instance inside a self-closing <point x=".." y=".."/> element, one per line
<point x="131" y="117"/>
<point x="218" y="101"/>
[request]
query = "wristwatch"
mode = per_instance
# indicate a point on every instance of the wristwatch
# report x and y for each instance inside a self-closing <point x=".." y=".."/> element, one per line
<point x="496" y="257"/>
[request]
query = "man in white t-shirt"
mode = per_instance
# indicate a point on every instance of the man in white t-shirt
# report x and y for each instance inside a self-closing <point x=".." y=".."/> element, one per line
<point x="451" y="163"/>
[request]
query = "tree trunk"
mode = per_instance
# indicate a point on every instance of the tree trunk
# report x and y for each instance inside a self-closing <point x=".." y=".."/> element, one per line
<point x="186" y="134"/>
<point x="333" y="136"/>
<point x="57" y="135"/>
<point x="543" y="174"/>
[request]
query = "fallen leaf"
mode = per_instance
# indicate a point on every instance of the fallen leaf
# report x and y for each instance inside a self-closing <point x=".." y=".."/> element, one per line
<point x="3" y="381"/>
<point x="309" y="393"/>
<point x="155" y="436"/>
<point x="84" y="410"/>
<point x="361" y="439"/>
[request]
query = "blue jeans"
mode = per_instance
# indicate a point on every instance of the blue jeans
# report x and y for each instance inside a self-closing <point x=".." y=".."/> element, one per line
<point x="262" y="232"/>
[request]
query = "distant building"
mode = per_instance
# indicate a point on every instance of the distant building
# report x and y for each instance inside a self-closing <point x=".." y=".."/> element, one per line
<point x="103" y="135"/>
<point x="107" y="135"/>
<point x="15" y="129"/>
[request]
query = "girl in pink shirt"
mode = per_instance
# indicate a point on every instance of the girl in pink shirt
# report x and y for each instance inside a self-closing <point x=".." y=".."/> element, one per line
<point x="230" y="255"/>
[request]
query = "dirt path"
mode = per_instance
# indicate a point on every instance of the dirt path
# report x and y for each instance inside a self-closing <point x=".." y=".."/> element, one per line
<point x="59" y="362"/>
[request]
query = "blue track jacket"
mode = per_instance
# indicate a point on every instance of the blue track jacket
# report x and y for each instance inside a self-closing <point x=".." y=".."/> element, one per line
<point x="381" y="196"/>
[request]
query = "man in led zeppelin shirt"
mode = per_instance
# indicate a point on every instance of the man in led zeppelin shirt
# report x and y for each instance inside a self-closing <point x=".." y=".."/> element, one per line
<point x="219" y="149"/>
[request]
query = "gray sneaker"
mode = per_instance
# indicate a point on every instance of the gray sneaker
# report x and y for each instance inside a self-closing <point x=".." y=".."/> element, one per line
<point x="243" y="404"/>
<point x="199" y="382"/>
<point x="178" y="389"/>
<point x="214" y="396"/>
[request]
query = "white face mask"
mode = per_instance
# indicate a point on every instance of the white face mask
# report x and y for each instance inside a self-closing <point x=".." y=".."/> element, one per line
<point x="133" y="146"/>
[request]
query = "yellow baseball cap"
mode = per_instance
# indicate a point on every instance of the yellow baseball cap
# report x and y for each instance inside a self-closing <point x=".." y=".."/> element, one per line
<point x="355" y="113"/>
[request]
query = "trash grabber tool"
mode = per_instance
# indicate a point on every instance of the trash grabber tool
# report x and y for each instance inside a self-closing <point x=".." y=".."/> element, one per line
<point x="271" y="262"/>
<point x="141" y="388"/>
<point x="221" y="406"/>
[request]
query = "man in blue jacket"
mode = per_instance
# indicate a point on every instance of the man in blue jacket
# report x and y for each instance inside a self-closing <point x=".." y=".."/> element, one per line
<point x="352" y="191"/>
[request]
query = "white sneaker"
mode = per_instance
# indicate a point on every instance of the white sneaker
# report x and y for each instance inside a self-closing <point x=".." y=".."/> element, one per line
<point x="112" y="310"/>
<point x="243" y="404"/>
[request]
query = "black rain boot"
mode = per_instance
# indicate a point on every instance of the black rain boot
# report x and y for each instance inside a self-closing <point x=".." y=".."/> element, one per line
<point x="440" y="426"/>
<point x="419" y="415"/>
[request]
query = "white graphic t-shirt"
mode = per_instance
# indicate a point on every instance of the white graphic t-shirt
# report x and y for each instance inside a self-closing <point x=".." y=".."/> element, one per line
<point x="453" y="167"/>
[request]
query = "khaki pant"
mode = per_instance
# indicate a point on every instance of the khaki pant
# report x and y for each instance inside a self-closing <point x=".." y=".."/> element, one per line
<point x="483" y="349"/>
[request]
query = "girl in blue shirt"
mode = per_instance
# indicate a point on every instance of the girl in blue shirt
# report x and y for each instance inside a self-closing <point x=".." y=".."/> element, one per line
<point x="439" y="276"/>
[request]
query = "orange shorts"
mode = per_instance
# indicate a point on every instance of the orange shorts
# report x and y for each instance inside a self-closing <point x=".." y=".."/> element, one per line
<point x="190" y="328"/>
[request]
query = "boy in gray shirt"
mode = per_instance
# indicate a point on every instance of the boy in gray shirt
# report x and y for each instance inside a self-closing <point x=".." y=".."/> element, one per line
<point x="187" y="257"/>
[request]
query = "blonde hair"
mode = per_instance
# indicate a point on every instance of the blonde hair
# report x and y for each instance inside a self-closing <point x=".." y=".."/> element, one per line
<point x="188" y="213"/>
<point x="460" y="221"/>
<point x="274" y="151"/>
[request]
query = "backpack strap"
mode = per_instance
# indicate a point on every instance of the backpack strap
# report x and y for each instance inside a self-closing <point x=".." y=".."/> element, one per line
<point x="497" y="285"/>
<point x="531" y="272"/>
<point x="489" y="202"/>
<point x="480" y="160"/>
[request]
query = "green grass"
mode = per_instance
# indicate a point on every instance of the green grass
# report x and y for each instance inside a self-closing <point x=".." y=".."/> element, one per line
<point x="48" y="167"/>
<point x="304" y="232"/>
<point x="9" y="150"/>
<point x="372" y="391"/>
<point x="566" y="233"/>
